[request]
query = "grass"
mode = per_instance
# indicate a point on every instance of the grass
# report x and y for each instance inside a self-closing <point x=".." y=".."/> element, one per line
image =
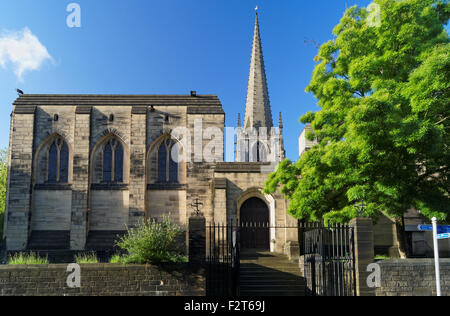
<point x="382" y="257"/>
<point x="125" y="259"/>
<point x="86" y="258"/>
<point x="30" y="258"/>
<point x="117" y="259"/>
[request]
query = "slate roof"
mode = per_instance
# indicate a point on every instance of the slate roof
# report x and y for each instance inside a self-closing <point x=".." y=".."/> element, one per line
<point x="200" y="104"/>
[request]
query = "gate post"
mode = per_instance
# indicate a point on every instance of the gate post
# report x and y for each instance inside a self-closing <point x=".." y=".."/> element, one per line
<point x="197" y="239"/>
<point x="364" y="253"/>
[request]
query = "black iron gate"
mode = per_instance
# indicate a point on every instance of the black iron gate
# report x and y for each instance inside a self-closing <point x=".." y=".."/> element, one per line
<point x="223" y="260"/>
<point x="330" y="261"/>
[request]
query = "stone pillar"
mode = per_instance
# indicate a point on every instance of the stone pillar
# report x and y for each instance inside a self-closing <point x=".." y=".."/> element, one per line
<point x="137" y="186"/>
<point x="80" y="179"/>
<point x="197" y="239"/>
<point x="20" y="169"/>
<point x="364" y="253"/>
<point x="220" y="201"/>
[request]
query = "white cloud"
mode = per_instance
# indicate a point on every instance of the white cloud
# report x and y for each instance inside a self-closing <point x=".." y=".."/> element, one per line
<point x="23" y="51"/>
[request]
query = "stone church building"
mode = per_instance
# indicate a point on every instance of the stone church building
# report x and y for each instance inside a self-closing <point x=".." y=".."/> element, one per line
<point x="83" y="168"/>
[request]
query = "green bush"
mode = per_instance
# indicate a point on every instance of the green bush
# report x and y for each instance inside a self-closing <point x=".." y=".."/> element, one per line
<point x="86" y="258"/>
<point x="118" y="258"/>
<point x="152" y="241"/>
<point x="31" y="258"/>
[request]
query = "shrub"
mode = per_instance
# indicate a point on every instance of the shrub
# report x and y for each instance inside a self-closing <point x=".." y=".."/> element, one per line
<point x="153" y="241"/>
<point x="117" y="259"/>
<point x="31" y="258"/>
<point x="86" y="258"/>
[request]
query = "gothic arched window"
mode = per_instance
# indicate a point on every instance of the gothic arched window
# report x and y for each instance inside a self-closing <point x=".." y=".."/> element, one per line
<point x="58" y="162"/>
<point x="261" y="152"/>
<point x="167" y="161"/>
<point x="113" y="161"/>
<point x="258" y="152"/>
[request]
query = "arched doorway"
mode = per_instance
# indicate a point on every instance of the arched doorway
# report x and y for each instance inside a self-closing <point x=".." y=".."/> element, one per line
<point x="254" y="219"/>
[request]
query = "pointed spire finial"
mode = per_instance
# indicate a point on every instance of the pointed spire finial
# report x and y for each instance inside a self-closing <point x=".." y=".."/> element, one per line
<point x="239" y="120"/>
<point x="256" y="9"/>
<point x="280" y="122"/>
<point x="257" y="109"/>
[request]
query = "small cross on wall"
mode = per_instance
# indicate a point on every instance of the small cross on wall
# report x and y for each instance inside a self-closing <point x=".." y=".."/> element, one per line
<point x="196" y="206"/>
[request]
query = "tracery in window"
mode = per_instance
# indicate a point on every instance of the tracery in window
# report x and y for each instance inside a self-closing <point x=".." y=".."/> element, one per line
<point x="167" y="161"/>
<point x="58" y="162"/>
<point x="112" y="161"/>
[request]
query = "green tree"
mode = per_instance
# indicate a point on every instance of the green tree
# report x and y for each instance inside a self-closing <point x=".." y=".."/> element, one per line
<point x="3" y="176"/>
<point x="383" y="125"/>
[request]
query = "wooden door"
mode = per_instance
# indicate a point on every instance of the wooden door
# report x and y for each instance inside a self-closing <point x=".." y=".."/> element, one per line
<point x="254" y="216"/>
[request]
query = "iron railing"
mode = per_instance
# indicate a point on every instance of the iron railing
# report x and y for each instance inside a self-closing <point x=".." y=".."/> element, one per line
<point x="330" y="261"/>
<point x="222" y="260"/>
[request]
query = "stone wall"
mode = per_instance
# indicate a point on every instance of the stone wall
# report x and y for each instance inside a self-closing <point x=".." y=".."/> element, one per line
<point x="385" y="237"/>
<point x="109" y="210"/>
<point x="412" y="277"/>
<point x="171" y="203"/>
<point x="103" y="280"/>
<point x="52" y="210"/>
<point x="19" y="179"/>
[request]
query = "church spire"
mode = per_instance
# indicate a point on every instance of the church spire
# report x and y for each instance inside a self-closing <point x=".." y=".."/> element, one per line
<point x="280" y="122"/>
<point x="282" y="152"/>
<point x="257" y="108"/>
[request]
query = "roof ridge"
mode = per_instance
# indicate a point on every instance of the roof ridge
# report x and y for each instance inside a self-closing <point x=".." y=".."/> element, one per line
<point x="119" y="96"/>
<point x="117" y="100"/>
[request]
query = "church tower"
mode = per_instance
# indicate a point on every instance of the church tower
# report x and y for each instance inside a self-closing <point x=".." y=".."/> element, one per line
<point x="257" y="140"/>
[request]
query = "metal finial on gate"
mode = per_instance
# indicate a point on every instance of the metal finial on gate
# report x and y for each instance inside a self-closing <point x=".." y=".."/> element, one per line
<point x="361" y="208"/>
<point x="195" y="205"/>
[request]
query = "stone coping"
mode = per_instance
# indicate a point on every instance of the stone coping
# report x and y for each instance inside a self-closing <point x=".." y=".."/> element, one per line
<point x="108" y="266"/>
<point x="109" y="186"/>
<point x="240" y="167"/>
<point x="166" y="186"/>
<point x="412" y="261"/>
<point x="53" y="187"/>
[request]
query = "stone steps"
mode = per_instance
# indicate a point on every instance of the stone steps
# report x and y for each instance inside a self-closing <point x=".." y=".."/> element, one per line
<point x="271" y="281"/>
<point x="267" y="274"/>
<point x="272" y="269"/>
<point x="271" y="293"/>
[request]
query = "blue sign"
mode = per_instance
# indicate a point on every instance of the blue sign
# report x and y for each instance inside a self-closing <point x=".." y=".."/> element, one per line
<point x="441" y="229"/>
<point x="425" y="227"/>
<point x="443" y="236"/>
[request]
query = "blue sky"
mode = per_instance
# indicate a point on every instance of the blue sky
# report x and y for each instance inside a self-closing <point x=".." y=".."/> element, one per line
<point x="172" y="47"/>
